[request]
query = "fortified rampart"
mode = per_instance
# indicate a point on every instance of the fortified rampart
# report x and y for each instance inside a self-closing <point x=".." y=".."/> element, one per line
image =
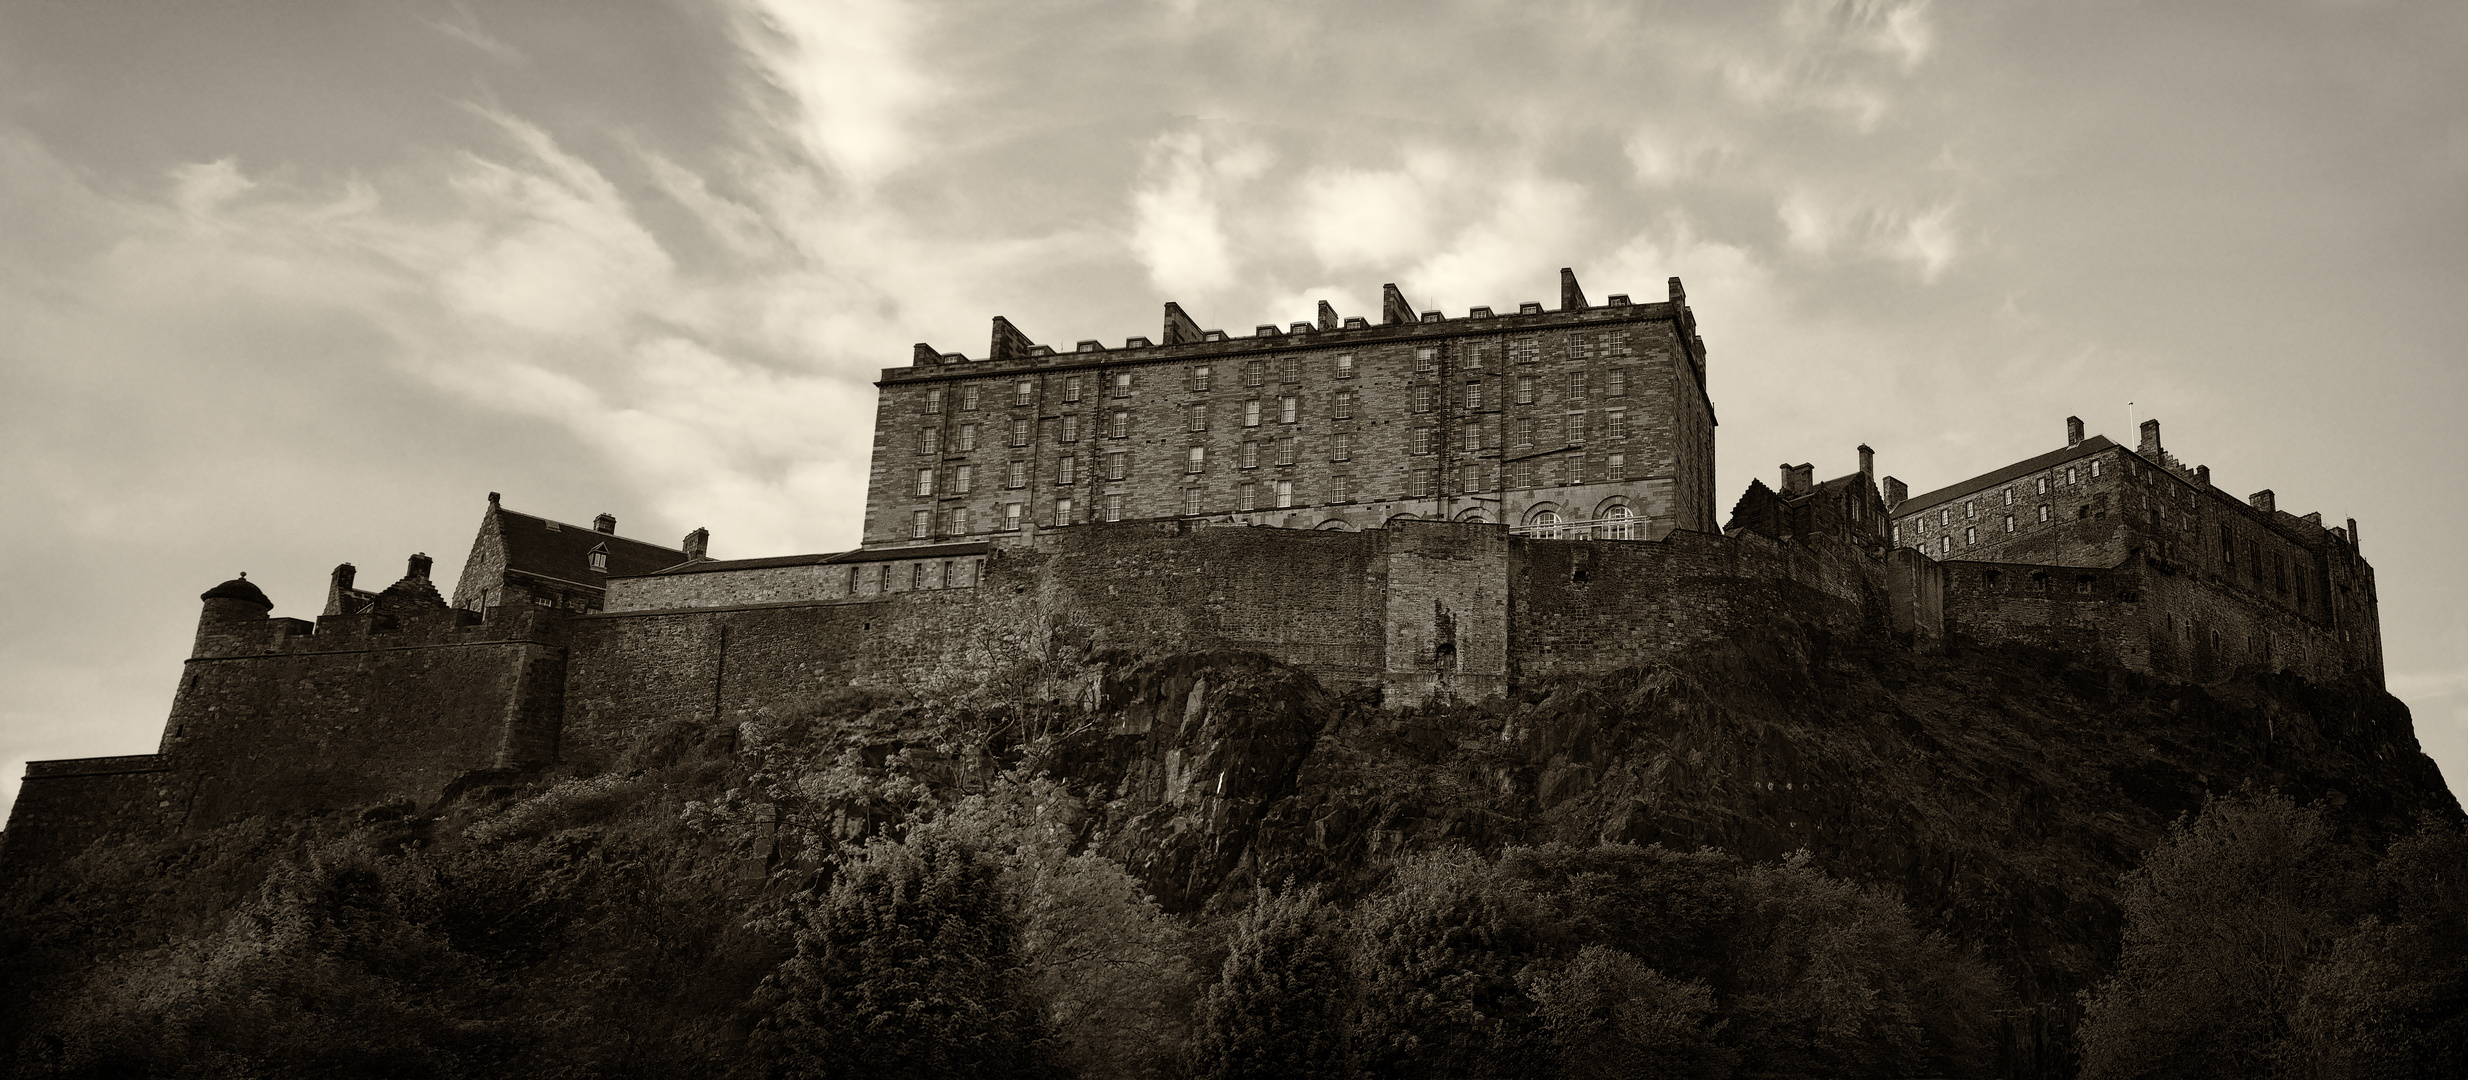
<point x="589" y="640"/>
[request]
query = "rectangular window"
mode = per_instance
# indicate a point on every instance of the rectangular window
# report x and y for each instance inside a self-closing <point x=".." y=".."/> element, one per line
<point x="1291" y="369"/>
<point x="1422" y="399"/>
<point x="1199" y="418"/>
<point x="1071" y="428"/>
<point x="1199" y="377"/>
<point x="1122" y="384"/>
<point x="2070" y="478"/>
<point x="1426" y="357"/>
<point x="1945" y="545"/>
<point x="1617" y="468"/>
<point x="1525" y="389"/>
<point x="1473" y="437"/>
<point x="1023" y="392"/>
<point x="1122" y="424"/>
<point x="1244" y="497"/>
<point x="2009" y="523"/>
<point x="1472" y="480"/>
<point x="916" y="575"/>
<point x="2043" y="513"/>
<point x="1254" y="373"/>
<point x="1477" y="354"/>
<point x="959" y="521"/>
<point x="968" y="398"/>
<point x="1064" y="468"/>
<point x="1619" y="423"/>
<point x="1285" y="494"/>
<point x="1115" y="463"/>
<point x="921" y="524"/>
<point x="1345" y="365"/>
<point x="929" y="441"/>
<point x="968" y="437"/>
<point x="1423" y="440"/>
<point x="1197" y="460"/>
<point x="882" y="575"/>
<point x="1345" y="405"/>
<point x="1114" y="506"/>
<point x="1426" y="483"/>
<point x="925" y="481"/>
<point x="1525" y="431"/>
<point x="1019" y="431"/>
<point x="1344" y="448"/>
<point x="1191" y="502"/>
<point x="1251" y="413"/>
<point x="1062" y="512"/>
<point x="1970" y="534"/>
<point x="1971" y="510"/>
<point x="1344" y="487"/>
<point x="1071" y="388"/>
<point x="1251" y="455"/>
<point x="1285" y="450"/>
<point x="963" y="478"/>
<point x="2043" y="485"/>
<point x="1289" y="409"/>
<point x="2009" y="496"/>
<point x="1474" y="396"/>
<point x="1576" y="388"/>
<point x="2095" y="468"/>
<point x="934" y="402"/>
<point x="1618" y="384"/>
<point x="1011" y="517"/>
<point x="1017" y="476"/>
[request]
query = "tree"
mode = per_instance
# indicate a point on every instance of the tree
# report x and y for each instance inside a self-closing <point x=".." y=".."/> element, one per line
<point x="1435" y="959"/>
<point x="907" y="969"/>
<point x="1609" y="1015"/>
<point x="1278" y="1006"/>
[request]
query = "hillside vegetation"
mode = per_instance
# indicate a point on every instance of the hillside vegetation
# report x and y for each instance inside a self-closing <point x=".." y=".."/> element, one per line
<point x="1787" y="856"/>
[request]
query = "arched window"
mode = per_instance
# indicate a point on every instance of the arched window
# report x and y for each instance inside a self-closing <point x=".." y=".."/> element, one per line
<point x="1547" y="525"/>
<point x="599" y="558"/>
<point x="1616" y="524"/>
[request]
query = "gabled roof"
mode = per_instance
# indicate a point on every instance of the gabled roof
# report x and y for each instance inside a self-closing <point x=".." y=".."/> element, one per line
<point x="563" y="551"/>
<point x="2025" y="467"/>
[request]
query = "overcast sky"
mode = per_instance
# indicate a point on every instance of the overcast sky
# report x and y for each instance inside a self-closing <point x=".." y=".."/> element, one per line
<point x="288" y="284"/>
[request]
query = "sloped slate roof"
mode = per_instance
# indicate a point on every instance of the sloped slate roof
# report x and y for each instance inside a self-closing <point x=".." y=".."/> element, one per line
<point x="565" y="552"/>
<point x="2025" y="467"/>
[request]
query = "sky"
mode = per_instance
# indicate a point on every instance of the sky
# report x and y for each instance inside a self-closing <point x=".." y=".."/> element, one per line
<point x="284" y="285"/>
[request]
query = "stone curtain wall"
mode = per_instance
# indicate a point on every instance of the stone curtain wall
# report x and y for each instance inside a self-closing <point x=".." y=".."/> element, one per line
<point x="357" y="714"/>
<point x="67" y="806"/>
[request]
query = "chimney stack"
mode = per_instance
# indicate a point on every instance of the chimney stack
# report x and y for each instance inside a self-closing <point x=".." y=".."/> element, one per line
<point x="606" y="523"/>
<point x="2263" y="500"/>
<point x="2150" y="447"/>
<point x="697" y="542"/>
<point x="344" y="574"/>
<point x="2352" y="533"/>
<point x="2202" y="475"/>
<point x="417" y="569"/>
<point x="1572" y="298"/>
<point x="2073" y="430"/>
<point x="1896" y="493"/>
<point x="1328" y="316"/>
<point x="1797" y="479"/>
<point x="1868" y="463"/>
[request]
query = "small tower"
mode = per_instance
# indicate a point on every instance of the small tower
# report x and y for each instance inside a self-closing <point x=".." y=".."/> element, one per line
<point x="233" y="622"/>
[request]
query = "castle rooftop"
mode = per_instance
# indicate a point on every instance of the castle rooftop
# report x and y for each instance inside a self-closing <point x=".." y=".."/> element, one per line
<point x="2025" y="467"/>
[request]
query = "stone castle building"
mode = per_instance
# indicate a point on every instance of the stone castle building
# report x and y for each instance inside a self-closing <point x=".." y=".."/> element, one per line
<point x="1421" y="508"/>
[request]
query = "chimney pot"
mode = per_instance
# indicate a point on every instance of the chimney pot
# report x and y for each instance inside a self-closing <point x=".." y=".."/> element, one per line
<point x="2073" y="430"/>
<point x="606" y="523"/>
<point x="419" y="567"/>
<point x="1868" y="462"/>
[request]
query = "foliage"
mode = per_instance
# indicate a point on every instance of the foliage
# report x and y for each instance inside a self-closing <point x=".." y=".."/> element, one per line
<point x="1277" y="1007"/>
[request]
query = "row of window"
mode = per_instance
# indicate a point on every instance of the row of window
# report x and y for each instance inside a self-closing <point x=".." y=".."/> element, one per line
<point x="1521" y="431"/>
<point x="1610" y="468"/>
<point x="947" y="574"/>
<point x="1255" y="374"/>
<point x="1617" y="522"/>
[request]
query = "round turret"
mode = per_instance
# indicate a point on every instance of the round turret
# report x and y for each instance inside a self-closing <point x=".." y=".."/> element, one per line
<point x="239" y="588"/>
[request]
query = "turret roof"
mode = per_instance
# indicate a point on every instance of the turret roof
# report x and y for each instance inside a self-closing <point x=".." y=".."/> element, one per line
<point x="239" y="588"/>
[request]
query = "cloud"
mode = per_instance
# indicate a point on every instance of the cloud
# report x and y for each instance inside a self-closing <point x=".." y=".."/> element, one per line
<point x="848" y="66"/>
<point x="1177" y="227"/>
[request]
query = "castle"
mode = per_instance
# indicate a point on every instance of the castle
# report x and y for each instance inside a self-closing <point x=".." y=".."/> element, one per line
<point x="1422" y="508"/>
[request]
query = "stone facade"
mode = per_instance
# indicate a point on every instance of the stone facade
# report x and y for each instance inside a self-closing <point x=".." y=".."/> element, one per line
<point x="1575" y="414"/>
<point x="566" y="644"/>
